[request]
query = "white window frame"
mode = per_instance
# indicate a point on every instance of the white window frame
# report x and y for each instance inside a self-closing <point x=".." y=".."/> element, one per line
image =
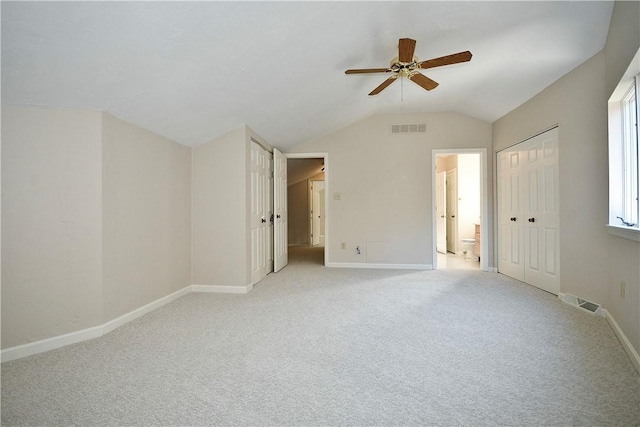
<point x="624" y="155"/>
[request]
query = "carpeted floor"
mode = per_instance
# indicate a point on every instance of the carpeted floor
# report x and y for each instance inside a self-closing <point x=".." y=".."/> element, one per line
<point x="318" y="346"/>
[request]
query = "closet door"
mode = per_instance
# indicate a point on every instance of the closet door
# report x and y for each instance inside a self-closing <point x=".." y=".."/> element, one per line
<point x="541" y="235"/>
<point x="510" y="215"/>
<point x="528" y="216"/>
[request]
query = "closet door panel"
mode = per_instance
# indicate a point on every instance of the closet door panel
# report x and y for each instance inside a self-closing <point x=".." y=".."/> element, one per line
<point x="528" y="214"/>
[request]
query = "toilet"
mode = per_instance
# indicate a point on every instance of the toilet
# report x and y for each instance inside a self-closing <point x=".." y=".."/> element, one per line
<point x="467" y="245"/>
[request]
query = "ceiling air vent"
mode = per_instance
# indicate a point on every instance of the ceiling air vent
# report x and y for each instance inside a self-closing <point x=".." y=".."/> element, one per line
<point x="409" y="128"/>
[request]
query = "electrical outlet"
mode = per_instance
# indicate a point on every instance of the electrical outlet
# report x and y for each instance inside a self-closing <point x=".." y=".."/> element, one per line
<point x="623" y="289"/>
<point x="343" y="245"/>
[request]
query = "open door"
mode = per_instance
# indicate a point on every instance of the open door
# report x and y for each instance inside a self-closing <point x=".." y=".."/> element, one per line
<point x="317" y="213"/>
<point x="441" y="212"/>
<point x="280" y="241"/>
<point x="451" y="189"/>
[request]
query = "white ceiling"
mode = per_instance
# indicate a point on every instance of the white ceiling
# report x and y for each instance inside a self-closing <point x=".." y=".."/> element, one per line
<point x="192" y="71"/>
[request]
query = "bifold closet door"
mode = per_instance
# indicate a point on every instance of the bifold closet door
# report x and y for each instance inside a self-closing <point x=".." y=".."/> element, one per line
<point x="510" y="247"/>
<point x="528" y="216"/>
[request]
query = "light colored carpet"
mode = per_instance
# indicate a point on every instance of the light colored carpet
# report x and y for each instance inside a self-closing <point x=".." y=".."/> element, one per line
<point x="318" y="346"/>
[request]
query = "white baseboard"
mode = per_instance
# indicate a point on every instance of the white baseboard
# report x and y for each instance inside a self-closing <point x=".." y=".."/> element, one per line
<point x="53" y="343"/>
<point x="626" y="344"/>
<point x="380" y="266"/>
<point x="139" y="312"/>
<point x="49" y="344"/>
<point x="222" y="289"/>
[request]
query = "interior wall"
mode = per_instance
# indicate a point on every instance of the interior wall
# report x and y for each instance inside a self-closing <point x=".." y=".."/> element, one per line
<point x="592" y="262"/>
<point x="623" y="41"/>
<point x="298" y="210"/>
<point x="381" y="185"/>
<point x="51" y="222"/>
<point x="577" y="103"/>
<point x="146" y="216"/>
<point x="219" y="211"/>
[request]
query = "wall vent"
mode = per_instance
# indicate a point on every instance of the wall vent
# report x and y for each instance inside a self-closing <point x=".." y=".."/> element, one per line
<point x="408" y="128"/>
<point x="582" y="304"/>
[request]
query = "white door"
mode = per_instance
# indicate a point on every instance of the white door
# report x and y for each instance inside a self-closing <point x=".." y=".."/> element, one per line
<point x="281" y="251"/>
<point x="528" y="216"/>
<point x="321" y="203"/>
<point x="441" y="212"/>
<point x="317" y="213"/>
<point x="270" y="215"/>
<point x="541" y="237"/>
<point x="510" y="233"/>
<point x="451" y="185"/>
<point x="259" y="212"/>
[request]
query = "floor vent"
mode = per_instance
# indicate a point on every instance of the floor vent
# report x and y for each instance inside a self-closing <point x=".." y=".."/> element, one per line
<point x="582" y="304"/>
<point x="409" y="128"/>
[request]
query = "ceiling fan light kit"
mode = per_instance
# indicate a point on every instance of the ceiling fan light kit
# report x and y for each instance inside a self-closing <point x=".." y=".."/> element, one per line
<point x="407" y="65"/>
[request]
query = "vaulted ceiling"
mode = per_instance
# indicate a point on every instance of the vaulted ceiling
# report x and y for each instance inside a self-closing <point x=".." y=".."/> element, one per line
<point x="192" y="71"/>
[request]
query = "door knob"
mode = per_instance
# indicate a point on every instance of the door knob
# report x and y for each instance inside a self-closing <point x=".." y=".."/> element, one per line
<point x="271" y="219"/>
<point x="531" y="220"/>
<point x="264" y="220"/>
<point x="513" y="218"/>
<point x="278" y="216"/>
<point x="453" y="216"/>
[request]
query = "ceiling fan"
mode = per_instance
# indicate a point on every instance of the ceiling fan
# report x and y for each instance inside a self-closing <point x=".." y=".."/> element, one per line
<point x="407" y="65"/>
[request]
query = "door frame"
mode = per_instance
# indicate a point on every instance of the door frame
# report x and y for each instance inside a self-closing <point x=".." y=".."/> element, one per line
<point x="325" y="157"/>
<point x="484" y="203"/>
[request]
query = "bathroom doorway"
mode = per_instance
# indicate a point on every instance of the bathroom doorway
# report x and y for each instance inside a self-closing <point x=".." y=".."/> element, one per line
<point x="459" y="200"/>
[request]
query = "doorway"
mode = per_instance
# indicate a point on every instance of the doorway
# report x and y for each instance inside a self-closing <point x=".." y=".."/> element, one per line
<point x="459" y="196"/>
<point x="307" y="201"/>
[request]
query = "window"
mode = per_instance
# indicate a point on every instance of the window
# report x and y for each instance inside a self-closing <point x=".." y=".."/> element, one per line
<point x="624" y="155"/>
<point x="630" y="156"/>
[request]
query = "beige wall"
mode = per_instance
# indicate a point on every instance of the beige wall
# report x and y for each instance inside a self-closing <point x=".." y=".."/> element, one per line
<point x="623" y="41"/>
<point x="298" y="213"/>
<point x="96" y="219"/>
<point x="577" y="103"/>
<point x="219" y="211"/>
<point x="592" y="262"/>
<point x="384" y="183"/>
<point x="146" y="216"/>
<point x="51" y="222"/>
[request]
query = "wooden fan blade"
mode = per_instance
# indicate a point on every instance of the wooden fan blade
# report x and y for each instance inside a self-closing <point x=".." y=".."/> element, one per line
<point x="384" y="85"/>
<point x="406" y="47"/>
<point x="446" y="60"/>
<point x="422" y="80"/>
<point x="367" y="70"/>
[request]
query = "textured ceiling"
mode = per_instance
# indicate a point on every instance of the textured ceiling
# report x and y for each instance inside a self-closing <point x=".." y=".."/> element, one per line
<point x="192" y="71"/>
